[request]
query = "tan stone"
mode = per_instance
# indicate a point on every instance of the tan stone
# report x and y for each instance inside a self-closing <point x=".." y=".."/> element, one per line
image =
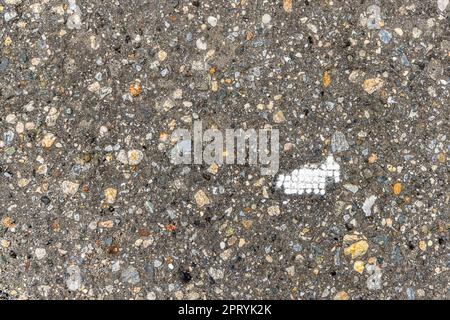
<point x="279" y="117"/>
<point x="274" y="210"/>
<point x="110" y="195"/>
<point x="48" y="140"/>
<point x="106" y="224"/>
<point x="372" y="85"/>
<point x="341" y="295"/>
<point x="202" y="199"/>
<point x="69" y="187"/>
<point x="287" y="6"/>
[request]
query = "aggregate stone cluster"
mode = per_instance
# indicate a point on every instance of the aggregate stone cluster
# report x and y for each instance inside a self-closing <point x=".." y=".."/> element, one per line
<point x="92" y="208"/>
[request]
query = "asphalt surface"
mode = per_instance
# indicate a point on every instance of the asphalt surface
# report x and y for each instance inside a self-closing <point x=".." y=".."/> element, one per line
<point x="91" y="206"/>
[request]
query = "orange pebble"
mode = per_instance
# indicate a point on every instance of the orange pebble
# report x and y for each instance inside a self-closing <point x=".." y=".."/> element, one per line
<point x="171" y="228"/>
<point x="397" y="188"/>
<point x="135" y="89"/>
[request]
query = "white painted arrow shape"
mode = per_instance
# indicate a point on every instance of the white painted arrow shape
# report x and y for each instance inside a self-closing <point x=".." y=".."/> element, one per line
<point x="310" y="178"/>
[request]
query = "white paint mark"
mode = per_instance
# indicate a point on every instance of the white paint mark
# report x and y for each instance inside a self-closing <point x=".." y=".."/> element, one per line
<point x="310" y="178"/>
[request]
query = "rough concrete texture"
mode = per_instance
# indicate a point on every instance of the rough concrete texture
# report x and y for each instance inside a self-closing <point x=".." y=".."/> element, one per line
<point x="92" y="208"/>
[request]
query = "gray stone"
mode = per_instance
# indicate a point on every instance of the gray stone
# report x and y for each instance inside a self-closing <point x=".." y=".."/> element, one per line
<point x="73" y="280"/>
<point x="131" y="275"/>
<point x="339" y="142"/>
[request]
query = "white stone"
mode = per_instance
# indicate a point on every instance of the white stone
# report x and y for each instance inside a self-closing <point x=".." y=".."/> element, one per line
<point x="416" y="32"/>
<point x="13" y="2"/>
<point x="151" y="296"/>
<point x="74" y="19"/>
<point x="73" y="281"/>
<point x="9" y="15"/>
<point x="74" y="22"/>
<point x="103" y="130"/>
<point x="274" y="211"/>
<point x="94" y="87"/>
<point x="115" y="266"/>
<point x="36" y="8"/>
<point x="40" y="253"/>
<point x="351" y="187"/>
<point x="20" y="127"/>
<point x="368" y="204"/>
<point x="312" y="27"/>
<point x="130" y="275"/>
<point x="11" y="118"/>
<point x="178" y="94"/>
<point x="266" y="18"/>
<point x="212" y="21"/>
<point x="29" y="106"/>
<point x="374" y="282"/>
<point x="398" y="31"/>
<point x="122" y="157"/>
<point x="52" y="117"/>
<point x="339" y="142"/>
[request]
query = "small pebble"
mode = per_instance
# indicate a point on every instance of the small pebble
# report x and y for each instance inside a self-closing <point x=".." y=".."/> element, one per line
<point x="266" y="18"/>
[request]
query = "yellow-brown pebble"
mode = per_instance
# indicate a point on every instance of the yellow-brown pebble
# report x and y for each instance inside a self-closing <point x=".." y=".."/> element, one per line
<point x="326" y="79"/>
<point x="341" y="295"/>
<point x="397" y="188"/>
<point x="110" y="195"/>
<point x="358" y="266"/>
<point x="358" y="249"/>
<point x="202" y="199"/>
